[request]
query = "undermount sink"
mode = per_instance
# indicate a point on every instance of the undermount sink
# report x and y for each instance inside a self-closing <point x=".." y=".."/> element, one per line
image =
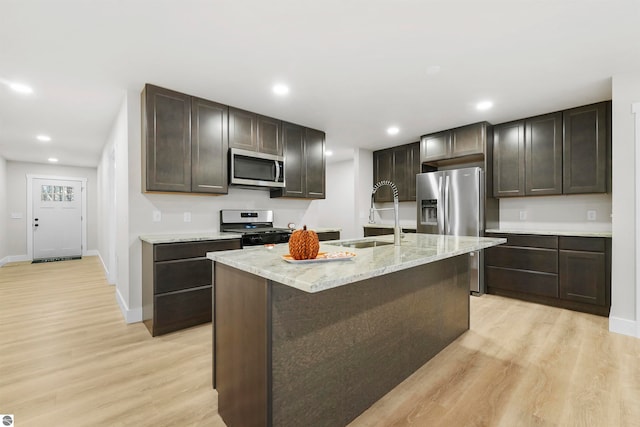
<point x="359" y="244"/>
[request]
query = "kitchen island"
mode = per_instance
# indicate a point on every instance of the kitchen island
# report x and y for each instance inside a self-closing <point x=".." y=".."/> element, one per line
<point x="318" y="343"/>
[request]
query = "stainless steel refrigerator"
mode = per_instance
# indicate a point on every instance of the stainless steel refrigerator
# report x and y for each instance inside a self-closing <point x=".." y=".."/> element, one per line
<point x="452" y="202"/>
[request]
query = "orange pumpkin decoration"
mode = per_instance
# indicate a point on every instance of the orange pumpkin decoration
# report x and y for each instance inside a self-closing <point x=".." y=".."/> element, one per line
<point x="304" y="244"/>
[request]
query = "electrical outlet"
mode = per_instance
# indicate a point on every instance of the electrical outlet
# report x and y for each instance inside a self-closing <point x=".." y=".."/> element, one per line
<point x="591" y="215"/>
<point x="157" y="216"/>
<point x="187" y="217"/>
<point x="523" y="215"/>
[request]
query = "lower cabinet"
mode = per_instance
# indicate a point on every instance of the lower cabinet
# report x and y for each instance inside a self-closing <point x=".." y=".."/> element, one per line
<point x="568" y="272"/>
<point x="328" y="235"/>
<point x="381" y="231"/>
<point x="177" y="283"/>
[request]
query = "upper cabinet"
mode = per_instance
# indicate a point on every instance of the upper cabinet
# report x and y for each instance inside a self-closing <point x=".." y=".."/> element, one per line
<point x="464" y="141"/>
<point x="400" y="165"/>
<point x="558" y="153"/>
<point x="527" y="157"/>
<point x="185" y="143"/>
<point x="251" y="131"/>
<point x="304" y="163"/>
<point x="586" y="147"/>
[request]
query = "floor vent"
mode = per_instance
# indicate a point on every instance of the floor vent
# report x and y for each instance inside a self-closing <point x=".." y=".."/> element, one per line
<point x="64" y="258"/>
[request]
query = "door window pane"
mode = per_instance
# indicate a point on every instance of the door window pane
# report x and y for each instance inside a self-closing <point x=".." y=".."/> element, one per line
<point x="56" y="193"/>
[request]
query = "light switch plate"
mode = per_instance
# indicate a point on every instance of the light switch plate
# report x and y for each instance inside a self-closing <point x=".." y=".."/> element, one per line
<point x="157" y="216"/>
<point x="16" y="215"/>
<point x="523" y="215"/>
<point x="591" y="215"/>
<point x="187" y="217"/>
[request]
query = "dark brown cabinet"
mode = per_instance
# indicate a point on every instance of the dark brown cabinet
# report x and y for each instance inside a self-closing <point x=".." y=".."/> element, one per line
<point x="208" y="147"/>
<point x="251" y="131"/>
<point x="586" y="147"/>
<point x="328" y="235"/>
<point x="455" y="143"/>
<point x="185" y="143"/>
<point x="382" y="231"/>
<point x="543" y="155"/>
<point x="304" y="164"/>
<point x="508" y="159"/>
<point x="400" y="165"/>
<point x="566" y="152"/>
<point x="166" y="133"/>
<point x="583" y="270"/>
<point x="568" y="272"/>
<point x="177" y="283"/>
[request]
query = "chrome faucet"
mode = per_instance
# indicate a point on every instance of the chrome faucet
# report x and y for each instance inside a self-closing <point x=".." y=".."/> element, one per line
<point x="396" y="215"/>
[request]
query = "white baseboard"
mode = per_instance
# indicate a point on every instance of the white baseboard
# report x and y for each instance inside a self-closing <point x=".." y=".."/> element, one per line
<point x="14" y="258"/>
<point x="624" y="327"/>
<point x="91" y="252"/>
<point x="130" y="316"/>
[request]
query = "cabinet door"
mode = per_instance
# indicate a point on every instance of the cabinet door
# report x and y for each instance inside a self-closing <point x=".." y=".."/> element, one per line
<point x="209" y="146"/>
<point x="269" y="136"/>
<point x="436" y="146"/>
<point x="243" y="129"/>
<point x="414" y="168"/>
<point x="585" y="149"/>
<point x="167" y="136"/>
<point x="543" y="154"/>
<point x="293" y="138"/>
<point x="383" y="170"/>
<point x="400" y="171"/>
<point x="508" y="160"/>
<point x="314" y="164"/>
<point x="582" y="277"/>
<point x="468" y="140"/>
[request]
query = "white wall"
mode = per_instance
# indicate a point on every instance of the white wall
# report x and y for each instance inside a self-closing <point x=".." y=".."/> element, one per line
<point x="567" y="212"/>
<point x="4" y="214"/>
<point x="623" y="317"/>
<point x="337" y="209"/>
<point x="17" y="202"/>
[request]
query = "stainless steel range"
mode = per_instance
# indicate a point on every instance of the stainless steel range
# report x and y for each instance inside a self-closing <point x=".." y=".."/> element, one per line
<point x="256" y="226"/>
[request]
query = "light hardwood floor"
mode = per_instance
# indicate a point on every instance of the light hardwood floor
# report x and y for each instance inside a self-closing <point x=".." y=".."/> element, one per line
<point x="67" y="358"/>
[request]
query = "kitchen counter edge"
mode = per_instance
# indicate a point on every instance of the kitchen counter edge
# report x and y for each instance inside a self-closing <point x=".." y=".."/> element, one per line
<point x="606" y="234"/>
<point x="187" y="237"/>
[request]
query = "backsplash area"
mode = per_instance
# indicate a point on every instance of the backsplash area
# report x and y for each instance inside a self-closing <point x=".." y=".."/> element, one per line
<point x="576" y="212"/>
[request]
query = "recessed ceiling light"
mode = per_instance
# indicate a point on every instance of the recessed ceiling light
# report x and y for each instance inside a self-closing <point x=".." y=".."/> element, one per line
<point x="43" y="138"/>
<point x="484" y="105"/>
<point x="21" y="88"/>
<point x="280" y="89"/>
<point x="393" y="130"/>
<point x="52" y="160"/>
<point x="328" y="153"/>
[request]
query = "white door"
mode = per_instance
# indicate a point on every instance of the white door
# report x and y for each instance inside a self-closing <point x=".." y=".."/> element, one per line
<point x="57" y="218"/>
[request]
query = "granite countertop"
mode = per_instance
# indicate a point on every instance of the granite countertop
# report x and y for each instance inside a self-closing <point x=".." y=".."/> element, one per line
<point x="188" y="237"/>
<point x="416" y="249"/>
<point x="574" y="233"/>
<point x="410" y="227"/>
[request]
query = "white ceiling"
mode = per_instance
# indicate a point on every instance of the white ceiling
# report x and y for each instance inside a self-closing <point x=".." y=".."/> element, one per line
<point x="355" y="67"/>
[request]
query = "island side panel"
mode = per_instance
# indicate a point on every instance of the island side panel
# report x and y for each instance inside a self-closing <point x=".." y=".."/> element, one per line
<point x="241" y="347"/>
<point x="336" y="352"/>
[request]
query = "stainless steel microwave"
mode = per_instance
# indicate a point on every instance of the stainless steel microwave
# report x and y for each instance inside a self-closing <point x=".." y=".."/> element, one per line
<point x="256" y="169"/>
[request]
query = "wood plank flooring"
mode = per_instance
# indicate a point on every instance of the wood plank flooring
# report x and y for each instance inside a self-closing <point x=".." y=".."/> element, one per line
<point x="68" y="358"/>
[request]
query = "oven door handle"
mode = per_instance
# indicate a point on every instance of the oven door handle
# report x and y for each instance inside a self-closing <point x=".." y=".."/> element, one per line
<point x="277" y="170"/>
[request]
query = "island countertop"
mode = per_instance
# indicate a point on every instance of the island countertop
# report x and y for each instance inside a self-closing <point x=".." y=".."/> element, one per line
<point x="416" y="249"/>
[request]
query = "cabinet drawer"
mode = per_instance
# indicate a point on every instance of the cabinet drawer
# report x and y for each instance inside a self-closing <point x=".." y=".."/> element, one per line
<point x="179" y="310"/>
<point x="535" y="259"/>
<point x="589" y="244"/>
<point x="375" y="231"/>
<point x="529" y="282"/>
<point x="182" y="274"/>
<point x="528" y="240"/>
<point x="168" y="251"/>
<point x="328" y="235"/>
